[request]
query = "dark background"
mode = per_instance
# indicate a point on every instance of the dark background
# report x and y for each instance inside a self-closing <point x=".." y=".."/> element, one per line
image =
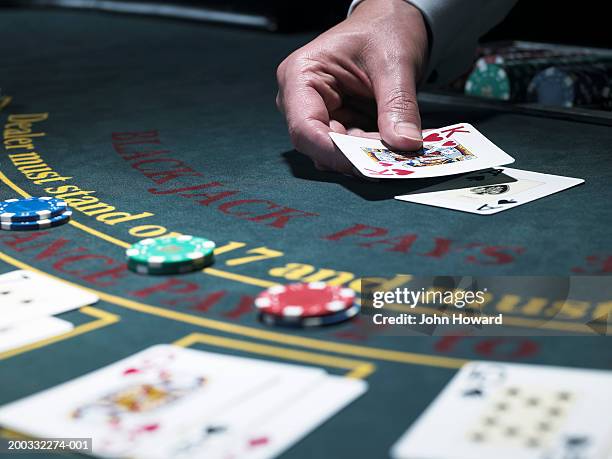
<point x="581" y="23"/>
<point x="584" y="23"/>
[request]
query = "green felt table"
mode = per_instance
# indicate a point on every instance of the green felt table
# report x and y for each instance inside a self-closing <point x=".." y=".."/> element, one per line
<point x="153" y="126"/>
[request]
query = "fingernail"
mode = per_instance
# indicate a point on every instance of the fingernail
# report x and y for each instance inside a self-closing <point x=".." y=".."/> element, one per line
<point x="409" y="130"/>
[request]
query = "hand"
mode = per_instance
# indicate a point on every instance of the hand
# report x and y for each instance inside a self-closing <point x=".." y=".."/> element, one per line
<point x="377" y="54"/>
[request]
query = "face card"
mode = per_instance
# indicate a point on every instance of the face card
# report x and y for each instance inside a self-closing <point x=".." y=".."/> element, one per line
<point x="491" y="199"/>
<point x="27" y="295"/>
<point x="210" y="437"/>
<point x="270" y="438"/>
<point x="138" y="401"/>
<point x="511" y="411"/>
<point x="450" y="150"/>
<point x="28" y="332"/>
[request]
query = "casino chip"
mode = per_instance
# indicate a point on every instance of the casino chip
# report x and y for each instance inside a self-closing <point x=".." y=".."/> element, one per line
<point x="572" y="85"/>
<point x="508" y="79"/>
<point x="488" y="80"/>
<point x="36" y="225"/>
<point x="296" y="302"/>
<point x="31" y="209"/>
<point x="170" y="255"/>
<point x="305" y="322"/>
<point x="552" y="87"/>
<point x="177" y="269"/>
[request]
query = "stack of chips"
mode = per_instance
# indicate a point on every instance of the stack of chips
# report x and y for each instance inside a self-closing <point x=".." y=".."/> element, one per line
<point x="496" y="77"/>
<point x="310" y="304"/>
<point x="509" y="74"/>
<point x="34" y="213"/>
<point x="572" y="85"/>
<point x="170" y="255"/>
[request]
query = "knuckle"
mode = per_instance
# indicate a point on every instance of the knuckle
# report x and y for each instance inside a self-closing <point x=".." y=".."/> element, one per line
<point x="308" y="66"/>
<point x="297" y="65"/>
<point x="401" y="101"/>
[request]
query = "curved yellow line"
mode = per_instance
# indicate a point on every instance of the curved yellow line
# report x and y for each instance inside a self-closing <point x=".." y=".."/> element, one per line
<point x="103" y="319"/>
<point x="118" y="242"/>
<point x="299" y="341"/>
<point x="359" y="369"/>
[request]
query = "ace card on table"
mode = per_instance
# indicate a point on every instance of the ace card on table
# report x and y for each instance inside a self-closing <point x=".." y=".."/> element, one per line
<point x="455" y="149"/>
<point x="491" y="199"/>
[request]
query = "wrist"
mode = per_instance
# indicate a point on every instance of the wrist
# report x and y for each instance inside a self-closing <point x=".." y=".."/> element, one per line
<point x="384" y="8"/>
<point x="404" y="24"/>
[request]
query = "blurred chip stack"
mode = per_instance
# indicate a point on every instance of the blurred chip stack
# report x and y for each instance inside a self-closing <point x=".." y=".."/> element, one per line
<point x="572" y="86"/>
<point x="555" y="76"/>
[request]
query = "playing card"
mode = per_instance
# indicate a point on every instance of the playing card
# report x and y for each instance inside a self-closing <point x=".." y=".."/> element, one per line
<point x="27" y="295"/>
<point x="141" y="400"/>
<point x="485" y="177"/>
<point x="491" y="199"/>
<point x="271" y="437"/>
<point x="455" y="149"/>
<point x="28" y="332"/>
<point x="196" y="437"/>
<point x="511" y="411"/>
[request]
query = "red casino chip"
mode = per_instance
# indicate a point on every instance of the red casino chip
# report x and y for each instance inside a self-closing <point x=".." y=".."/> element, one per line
<point x="313" y="299"/>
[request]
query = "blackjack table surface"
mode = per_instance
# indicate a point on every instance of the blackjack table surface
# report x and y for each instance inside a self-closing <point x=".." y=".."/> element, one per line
<point x="150" y="127"/>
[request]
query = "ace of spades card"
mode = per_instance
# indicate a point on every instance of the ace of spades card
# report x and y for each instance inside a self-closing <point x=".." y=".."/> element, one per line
<point x="490" y="199"/>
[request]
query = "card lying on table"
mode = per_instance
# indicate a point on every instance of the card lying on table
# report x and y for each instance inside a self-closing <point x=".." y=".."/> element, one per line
<point x="450" y="150"/>
<point x="27" y="295"/>
<point x="511" y="411"/>
<point x="315" y="406"/>
<point x="490" y="199"/>
<point x="168" y="401"/>
<point x="484" y="177"/>
<point x="30" y="331"/>
<point x="268" y="423"/>
<point x="126" y="406"/>
<point x="204" y="435"/>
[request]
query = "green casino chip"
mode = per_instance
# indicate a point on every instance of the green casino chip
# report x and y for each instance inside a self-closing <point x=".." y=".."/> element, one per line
<point x="175" y="268"/>
<point x="509" y="79"/>
<point x="167" y="255"/>
<point x="489" y="81"/>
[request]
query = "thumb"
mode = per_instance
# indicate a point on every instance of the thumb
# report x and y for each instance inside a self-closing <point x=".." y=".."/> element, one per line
<point x="399" y="121"/>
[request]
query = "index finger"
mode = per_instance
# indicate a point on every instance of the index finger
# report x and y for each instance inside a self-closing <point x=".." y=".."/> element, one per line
<point x="308" y="122"/>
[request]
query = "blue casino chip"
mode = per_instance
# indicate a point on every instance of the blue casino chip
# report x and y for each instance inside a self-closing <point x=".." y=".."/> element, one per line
<point x="31" y="209"/>
<point x="40" y="224"/>
<point x="553" y="86"/>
